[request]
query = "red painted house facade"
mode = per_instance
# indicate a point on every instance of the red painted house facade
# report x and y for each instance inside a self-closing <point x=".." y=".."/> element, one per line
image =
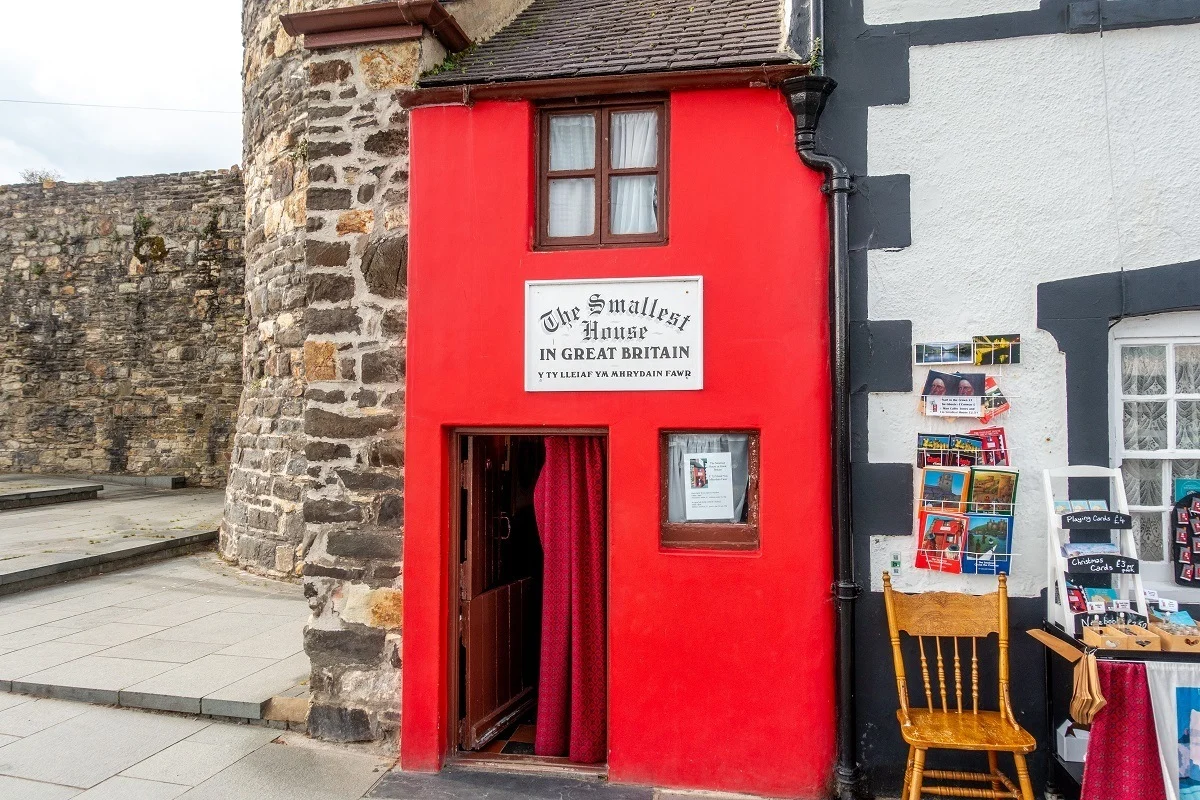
<point x="671" y="207"/>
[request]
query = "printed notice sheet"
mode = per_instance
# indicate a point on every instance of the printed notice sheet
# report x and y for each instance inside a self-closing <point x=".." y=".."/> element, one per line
<point x="709" y="486"/>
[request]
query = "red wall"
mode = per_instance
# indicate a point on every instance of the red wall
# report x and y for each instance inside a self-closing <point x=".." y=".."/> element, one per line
<point x="720" y="665"/>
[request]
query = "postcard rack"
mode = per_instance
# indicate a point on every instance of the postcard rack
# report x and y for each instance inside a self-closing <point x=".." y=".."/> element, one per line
<point x="1121" y="569"/>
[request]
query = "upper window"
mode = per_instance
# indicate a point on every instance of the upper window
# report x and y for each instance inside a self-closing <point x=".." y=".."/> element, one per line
<point x="1155" y="423"/>
<point x="602" y="174"/>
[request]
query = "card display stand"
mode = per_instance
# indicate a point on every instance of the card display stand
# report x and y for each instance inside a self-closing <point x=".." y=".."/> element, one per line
<point x="1117" y="571"/>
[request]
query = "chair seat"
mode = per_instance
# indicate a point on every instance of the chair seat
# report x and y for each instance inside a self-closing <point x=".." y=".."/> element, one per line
<point x="966" y="731"/>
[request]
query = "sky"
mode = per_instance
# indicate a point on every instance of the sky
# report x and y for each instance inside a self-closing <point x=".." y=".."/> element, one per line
<point x="157" y="53"/>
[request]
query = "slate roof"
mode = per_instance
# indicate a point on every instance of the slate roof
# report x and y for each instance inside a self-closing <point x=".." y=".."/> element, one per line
<point x="575" y="38"/>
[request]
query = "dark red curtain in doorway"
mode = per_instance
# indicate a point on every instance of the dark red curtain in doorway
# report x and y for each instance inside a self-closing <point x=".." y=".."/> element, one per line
<point x="572" y="691"/>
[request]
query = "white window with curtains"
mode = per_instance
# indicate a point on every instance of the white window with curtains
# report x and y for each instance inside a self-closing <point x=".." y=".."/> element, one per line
<point x="1155" y="432"/>
<point x="602" y="174"/>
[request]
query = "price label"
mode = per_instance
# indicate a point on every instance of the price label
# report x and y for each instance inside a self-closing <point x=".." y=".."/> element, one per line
<point x="1168" y="605"/>
<point x="1121" y="605"/>
<point x="1150" y="594"/>
<point x="1095" y="606"/>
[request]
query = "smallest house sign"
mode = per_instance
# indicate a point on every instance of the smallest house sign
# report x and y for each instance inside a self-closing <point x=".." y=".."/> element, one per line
<point x="623" y="334"/>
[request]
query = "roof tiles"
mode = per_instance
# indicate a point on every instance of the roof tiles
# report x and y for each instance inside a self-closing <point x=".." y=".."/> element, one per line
<point x="577" y="38"/>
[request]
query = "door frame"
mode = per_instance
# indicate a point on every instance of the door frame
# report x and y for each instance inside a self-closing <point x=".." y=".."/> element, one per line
<point x="457" y="436"/>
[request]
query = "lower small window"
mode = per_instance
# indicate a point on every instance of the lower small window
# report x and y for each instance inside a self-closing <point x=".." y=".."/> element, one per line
<point x="709" y="487"/>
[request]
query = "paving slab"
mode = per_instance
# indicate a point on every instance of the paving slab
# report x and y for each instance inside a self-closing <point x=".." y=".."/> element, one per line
<point x="470" y="784"/>
<point x="183" y="687"/>
<point x="29" y="493"/>
<point x="192" y="762"/>
<point x="122" y="788"/>
<point x="78" y="642"/>
<point x="92" y="747"/>
<point x="294" y="770"/>
<point x="91" y="679"/>
<point x="37" y="715"/>
<point x="34" y="790"/>
<point x="247" y="697"/>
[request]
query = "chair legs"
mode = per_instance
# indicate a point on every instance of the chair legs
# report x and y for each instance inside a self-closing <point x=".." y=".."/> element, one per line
<point x="993" y="768"/>
<point x="914" y="789"/>
<point x="1023" y="777"/>
<point x="908" y="770"/>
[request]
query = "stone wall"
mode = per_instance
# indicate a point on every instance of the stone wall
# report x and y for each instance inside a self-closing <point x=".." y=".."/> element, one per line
<point x="123" y="319"/>
<point x="317" y="479"/>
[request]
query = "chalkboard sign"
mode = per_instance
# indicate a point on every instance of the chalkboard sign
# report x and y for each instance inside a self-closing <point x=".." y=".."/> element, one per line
<point x="1110" y="618"/>
<point x="1102" y="564"/>
<point x="1096" y="520"/>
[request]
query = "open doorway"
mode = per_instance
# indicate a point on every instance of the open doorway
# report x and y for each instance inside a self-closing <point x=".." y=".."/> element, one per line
<point x="529" y="578"/>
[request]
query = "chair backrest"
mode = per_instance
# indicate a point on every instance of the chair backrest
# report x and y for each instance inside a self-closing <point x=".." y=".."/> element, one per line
<point x="948" y="615"/>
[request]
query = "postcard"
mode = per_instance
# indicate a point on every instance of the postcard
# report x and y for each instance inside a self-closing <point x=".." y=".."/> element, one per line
<point x="965" y="451"/>
<point x="995" y="446"/>
<point x="944" y="353"/>
<point x="994" y="401"/>
<point x="952" y="406"/>
<point x="997" y="349"/>
<point x="989" y="544"/>
<point x="945" y="488"/>
<point x="945" y="384"/>
<point x="933" y="450"/>
<point x="940" y="540"/>
<point x="993" y="490"/>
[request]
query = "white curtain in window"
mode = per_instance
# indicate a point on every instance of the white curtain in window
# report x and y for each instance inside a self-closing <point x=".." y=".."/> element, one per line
<point x="572" y="200"/>
<point x="737" y="444"/>
<point x="572" y="207"/>
<point x="634" y="198"/>
<point x="572" y="142"/>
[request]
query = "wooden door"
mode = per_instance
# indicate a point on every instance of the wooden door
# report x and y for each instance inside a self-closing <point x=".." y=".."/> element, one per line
<point x="498" y="593"/>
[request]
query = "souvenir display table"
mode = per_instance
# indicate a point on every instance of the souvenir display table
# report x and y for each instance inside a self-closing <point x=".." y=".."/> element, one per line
<point x="1124" y="760"/>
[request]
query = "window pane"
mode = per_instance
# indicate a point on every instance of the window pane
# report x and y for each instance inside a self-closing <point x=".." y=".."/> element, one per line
<point x="1144" y="369"/>
<point x="1147" y="532"/>
<point x="1187" y="425"/>
<point x="634" y="139"/>
<point x="634" y="204"/>
<point x="1187" y="369"/>
<point x="572" y="207"/>
<point x="1143" y="482"/>
<point x="572" y="142"/>
<point x="1145" y="426"/>
<point x="702" y="484"/>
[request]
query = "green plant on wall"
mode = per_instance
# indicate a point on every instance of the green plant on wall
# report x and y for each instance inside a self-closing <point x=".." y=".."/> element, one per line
<point x="141" y="225"/>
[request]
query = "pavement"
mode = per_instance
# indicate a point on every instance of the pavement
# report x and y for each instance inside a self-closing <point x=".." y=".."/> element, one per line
<point x="57" y="749"/>
<point x="191" y="635"/>
<point x="125" y="521"/>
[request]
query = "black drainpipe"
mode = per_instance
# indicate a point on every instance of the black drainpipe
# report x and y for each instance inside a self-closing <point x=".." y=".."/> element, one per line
<point x="806" y="98"/>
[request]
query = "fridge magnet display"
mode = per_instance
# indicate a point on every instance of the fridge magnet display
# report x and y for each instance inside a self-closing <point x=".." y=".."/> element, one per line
<point x="933" y="450"/>
<point x="708" y="491"/>
<point x="997" y="349"/>
<point x="989" y="544"/>
<point x="993" y="490"/>
<point x="945" y="488"/>
<point x="944" y="353"/>
<point x="940" y="539"/>
<point x="994" y="402"/>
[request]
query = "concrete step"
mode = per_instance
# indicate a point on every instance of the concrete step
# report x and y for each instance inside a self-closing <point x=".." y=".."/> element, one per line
<point x="24" y="494"/>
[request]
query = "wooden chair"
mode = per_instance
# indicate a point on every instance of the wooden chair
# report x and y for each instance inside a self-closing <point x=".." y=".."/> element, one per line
<point x="951" y="725"/>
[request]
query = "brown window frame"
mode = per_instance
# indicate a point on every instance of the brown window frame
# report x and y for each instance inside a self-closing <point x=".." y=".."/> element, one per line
<point x="601" y="171"/>
<point x="736" y="536"/>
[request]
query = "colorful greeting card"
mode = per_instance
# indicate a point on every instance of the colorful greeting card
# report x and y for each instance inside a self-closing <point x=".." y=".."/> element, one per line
<point x="994" y="402"/>
<point x="997" y="349"/>
<point x="945" y="488"/>
<point x="940" y="539"/>
<point x="989" y="544"/>
<point x="965" y="451"/>
<point x="995" y="446"/>
<point x="993" y="490"/>
<point x="933" y="450"/>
